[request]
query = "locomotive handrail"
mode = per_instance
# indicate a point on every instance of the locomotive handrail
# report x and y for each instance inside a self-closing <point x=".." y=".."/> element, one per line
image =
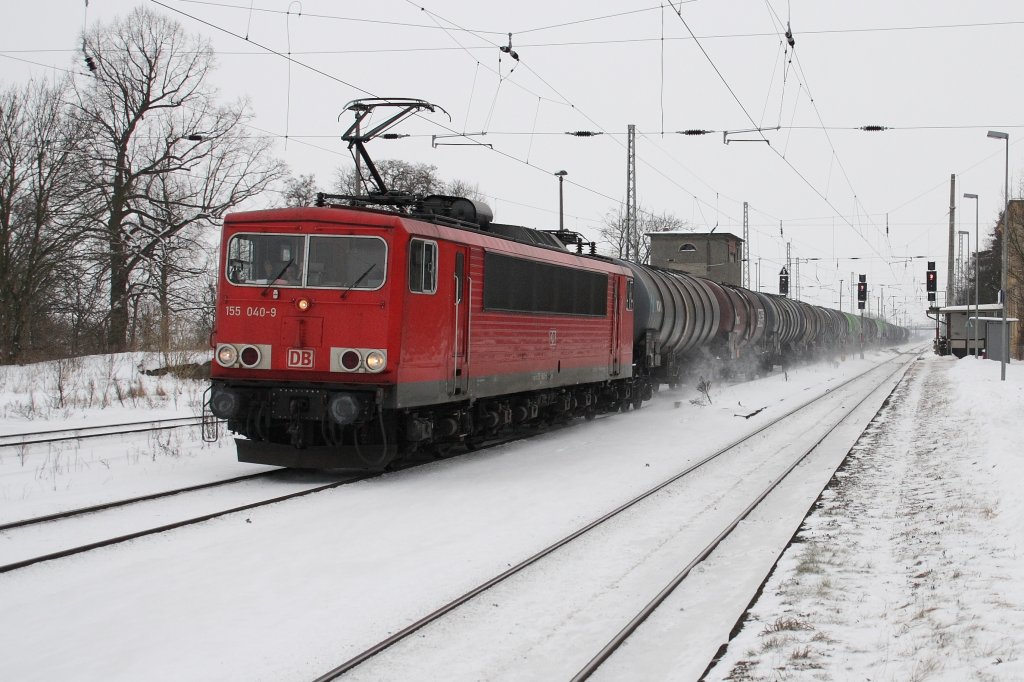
<point x="455" y="336"/>
<point x="469" y="326"/>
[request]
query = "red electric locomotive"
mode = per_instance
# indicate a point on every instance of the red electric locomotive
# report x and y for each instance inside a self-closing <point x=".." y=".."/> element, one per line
<point x="349" y="337"/>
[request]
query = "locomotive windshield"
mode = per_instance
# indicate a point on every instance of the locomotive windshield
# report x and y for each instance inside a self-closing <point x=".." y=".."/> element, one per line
<point x="321" y="261"/>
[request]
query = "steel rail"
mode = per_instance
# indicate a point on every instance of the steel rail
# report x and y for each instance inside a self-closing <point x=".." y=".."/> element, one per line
<point x="106" y="430"/>
<point x="70" y="513"/>
<point x="620" y="638"/>
<point x="145" y="498"/>
<point x="525" y="563"/>
<point x="178" y="524"/>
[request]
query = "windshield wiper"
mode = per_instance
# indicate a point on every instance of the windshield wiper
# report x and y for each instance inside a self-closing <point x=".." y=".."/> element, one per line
<point x="358" y="280"/>
<point x="279" y="276"/>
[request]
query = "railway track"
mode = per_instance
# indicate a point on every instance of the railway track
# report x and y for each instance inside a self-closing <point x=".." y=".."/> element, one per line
<point x="71" y="513"/>
<point x="56" y="536"/>
<point x="101" y="431"/>
<point x="28" y="557"/>
<point x="696" y="552"/>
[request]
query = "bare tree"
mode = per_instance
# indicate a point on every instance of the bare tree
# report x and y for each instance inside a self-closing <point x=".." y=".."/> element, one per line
<point x="406" y="177"/>
<point x="398" y="176"/>
<point x="300" y="191"/>
<point x="39" y="221"/>
<point x="80" y="312"/>
<point x="462" y="188"/>
<point x="173" y="261"/>
<point x="613" y="231"/>
<point x="163" y="157"/>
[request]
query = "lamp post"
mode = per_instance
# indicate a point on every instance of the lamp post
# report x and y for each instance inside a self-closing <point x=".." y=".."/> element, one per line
<point x="1004" y="280"/>
<point x="977" y="244"/>
<point x="561" y="216"/>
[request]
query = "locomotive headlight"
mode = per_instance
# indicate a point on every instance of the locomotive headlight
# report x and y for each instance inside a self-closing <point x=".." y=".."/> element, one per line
<point x="375" y="361"/>
<point x="349" y="360"/>
<point x="359" y="360"/>
<point x="227" y="355"/>
<point x="250" y="356"/>
<point x="303" y="304"/>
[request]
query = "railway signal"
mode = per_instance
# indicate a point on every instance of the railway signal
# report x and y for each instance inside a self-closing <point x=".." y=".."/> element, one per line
<point x="930" y="280"/>
<point x="862" y="291"/>
<point x="783" y="281"/>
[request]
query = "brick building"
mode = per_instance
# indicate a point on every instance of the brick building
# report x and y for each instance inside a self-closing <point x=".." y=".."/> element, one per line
<point x="716" y="255"/>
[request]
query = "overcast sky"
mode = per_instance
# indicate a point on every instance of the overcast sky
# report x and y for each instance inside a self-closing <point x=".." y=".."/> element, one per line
<point x="933" y="71"/>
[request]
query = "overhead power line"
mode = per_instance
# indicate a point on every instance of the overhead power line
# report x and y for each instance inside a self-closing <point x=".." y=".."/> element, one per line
<point x="332" y="77"/>
<point x="576" y="22"/>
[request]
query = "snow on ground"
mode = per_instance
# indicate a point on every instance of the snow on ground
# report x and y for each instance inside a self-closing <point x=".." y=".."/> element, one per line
<point x="908" y="571"/>
<point x="88" y="391"/>
<point x="100" y="390"/>
<point x="911" y="567"/>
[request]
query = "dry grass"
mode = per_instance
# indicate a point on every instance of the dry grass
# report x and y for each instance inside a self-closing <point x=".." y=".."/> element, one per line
<point x="801" y="654"/>
<point x="811" y="560"/>
<point x="783" y="624"/>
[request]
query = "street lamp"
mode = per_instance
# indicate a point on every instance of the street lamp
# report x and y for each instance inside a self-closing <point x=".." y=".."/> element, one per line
<point x="977" y="244"/>
<point x="1004" y="281"/>
<point x="561" y="222"/>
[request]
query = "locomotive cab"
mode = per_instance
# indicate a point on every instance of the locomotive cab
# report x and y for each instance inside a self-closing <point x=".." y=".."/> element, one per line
<point x="302" y="340"/>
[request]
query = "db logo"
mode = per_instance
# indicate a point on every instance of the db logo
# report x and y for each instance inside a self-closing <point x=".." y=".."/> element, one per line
<point x="300" y="358"/>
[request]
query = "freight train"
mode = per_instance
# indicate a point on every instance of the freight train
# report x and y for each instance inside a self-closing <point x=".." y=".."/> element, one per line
<point x="358" y="337"/>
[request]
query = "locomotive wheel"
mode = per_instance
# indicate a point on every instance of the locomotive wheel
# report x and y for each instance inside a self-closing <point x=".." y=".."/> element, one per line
<point x="442" y="450"/>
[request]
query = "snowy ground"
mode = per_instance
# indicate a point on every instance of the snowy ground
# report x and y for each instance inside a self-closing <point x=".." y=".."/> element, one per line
<point x="93" y="391"/>
<point x="911" y="568"/>
<point x="290" y="591"/>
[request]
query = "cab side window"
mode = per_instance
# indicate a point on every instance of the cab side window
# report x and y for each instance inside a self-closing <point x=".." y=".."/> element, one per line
<point x="422" y="266"/>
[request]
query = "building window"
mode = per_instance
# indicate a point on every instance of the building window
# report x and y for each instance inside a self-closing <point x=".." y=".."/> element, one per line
<point x="687" y="247"/>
